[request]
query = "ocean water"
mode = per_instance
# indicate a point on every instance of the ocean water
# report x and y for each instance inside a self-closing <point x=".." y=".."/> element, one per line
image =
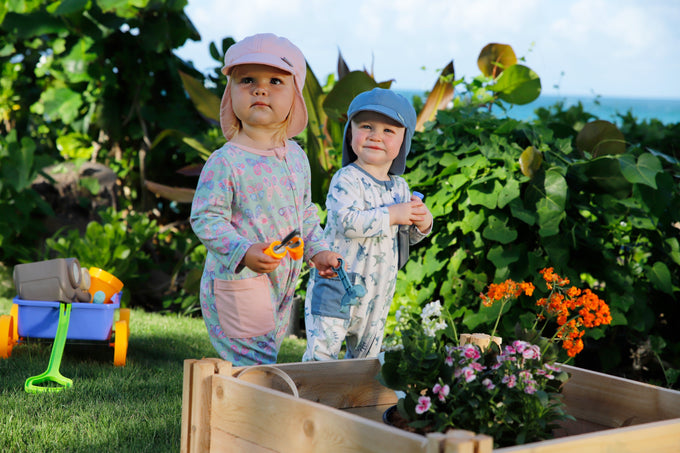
<point x="667" y="111"/>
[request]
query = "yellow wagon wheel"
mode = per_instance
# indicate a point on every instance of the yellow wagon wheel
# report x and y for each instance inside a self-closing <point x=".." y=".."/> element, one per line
<point x="14" y="313"/>
<point x="120" y="344"/>
<point x="124" y="315"/>
<point x="6" y="340"/>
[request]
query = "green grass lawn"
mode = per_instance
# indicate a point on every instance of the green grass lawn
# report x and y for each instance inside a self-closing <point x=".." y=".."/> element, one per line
<point x="135" y="408"/>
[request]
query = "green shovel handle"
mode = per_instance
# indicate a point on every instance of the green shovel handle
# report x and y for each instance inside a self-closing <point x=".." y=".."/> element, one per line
<point x="52" y="374"/>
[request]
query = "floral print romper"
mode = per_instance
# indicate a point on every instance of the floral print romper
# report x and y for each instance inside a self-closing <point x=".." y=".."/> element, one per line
<point x="245" y="195"/>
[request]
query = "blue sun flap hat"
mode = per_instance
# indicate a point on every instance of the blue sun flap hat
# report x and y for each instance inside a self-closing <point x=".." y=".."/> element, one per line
<point x="393" y="106"/>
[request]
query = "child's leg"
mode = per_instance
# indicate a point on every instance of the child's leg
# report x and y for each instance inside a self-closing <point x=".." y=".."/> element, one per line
<point x="365" y="332"/>
<point x="324" y="337"/>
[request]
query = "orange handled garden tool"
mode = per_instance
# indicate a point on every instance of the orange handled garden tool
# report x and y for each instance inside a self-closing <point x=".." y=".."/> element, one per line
<point x="292" y="243"/>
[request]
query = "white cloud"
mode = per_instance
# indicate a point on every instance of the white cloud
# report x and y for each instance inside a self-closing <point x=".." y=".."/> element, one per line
<point x="607" y="47"/>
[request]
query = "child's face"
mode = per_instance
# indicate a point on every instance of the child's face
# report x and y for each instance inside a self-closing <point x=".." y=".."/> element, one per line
<point x="376" y="140"/>
<point x="261" y="96"/>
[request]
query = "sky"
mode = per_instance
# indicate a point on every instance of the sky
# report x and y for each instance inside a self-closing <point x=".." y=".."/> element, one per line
<point x="585" y="48"/>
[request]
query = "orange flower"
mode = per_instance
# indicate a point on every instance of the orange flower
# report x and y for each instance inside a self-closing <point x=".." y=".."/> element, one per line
<point x="572" y="309"/>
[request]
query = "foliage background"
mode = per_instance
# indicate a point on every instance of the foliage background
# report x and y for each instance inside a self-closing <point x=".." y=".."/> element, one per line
<point x="98" y="82"/>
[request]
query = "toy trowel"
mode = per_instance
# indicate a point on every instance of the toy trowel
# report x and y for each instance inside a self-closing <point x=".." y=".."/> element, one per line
<point x="352" y="292"/>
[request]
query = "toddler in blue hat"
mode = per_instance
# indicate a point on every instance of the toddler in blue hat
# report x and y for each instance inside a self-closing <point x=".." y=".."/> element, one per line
<point x="368" y="205"/>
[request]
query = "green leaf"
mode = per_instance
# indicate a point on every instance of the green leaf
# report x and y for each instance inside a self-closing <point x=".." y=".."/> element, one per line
<point x="337" y="101"/>
<point x="485" y="193"/>
<point x="499" y="230"/>
<point x="660" y="277"/>
<point x="603" y="174"/>
<point x="471" y="221"/>
<point x="203" y="99"/>
<point x="518" y="85"/>
<point x="674" y="249"/>
<point x="550" y="208"/>
<point x="60" y="104"/>
<point x="644" y="172"/>
<point x="70" y="6"/>
<point x="503" y="256"/>
<point x="508" y="193"/>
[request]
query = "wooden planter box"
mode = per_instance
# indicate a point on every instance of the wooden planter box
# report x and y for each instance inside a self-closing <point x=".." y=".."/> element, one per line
<point x="340" y="407"/>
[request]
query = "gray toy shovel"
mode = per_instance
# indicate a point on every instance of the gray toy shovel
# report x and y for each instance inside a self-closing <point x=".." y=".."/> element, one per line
<point x="352" y="292"/>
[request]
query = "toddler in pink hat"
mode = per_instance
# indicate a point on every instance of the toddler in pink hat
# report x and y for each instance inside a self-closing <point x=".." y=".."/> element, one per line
<point x="252" y="191"/>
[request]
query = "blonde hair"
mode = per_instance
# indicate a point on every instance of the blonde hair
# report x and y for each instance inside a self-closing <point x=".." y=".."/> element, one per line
<point x="234" y="128"/>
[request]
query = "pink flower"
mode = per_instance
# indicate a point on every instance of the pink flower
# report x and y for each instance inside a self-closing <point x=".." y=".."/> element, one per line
<point x="488" y="384"/>
<point x="552" y="367"/>
<point x="469" y="374"/>
<point x="470" y="352"/>
<point x="531" y="352"/>
<point x="510" y="381"/>
<point x="423" y="405"/>
<point x="525" y="376"/>
<point x="449" y="355"/>
<point x="441" y="391"/>
<point x="477" y="366"/>
<point x="530" y="389"/>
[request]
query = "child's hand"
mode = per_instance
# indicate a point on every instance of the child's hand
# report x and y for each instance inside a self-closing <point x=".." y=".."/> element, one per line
<point x="421" y="217"/>
<point x="412" y="213"/>
<point x="324" y="262"/>
<point x="257" y="261"/>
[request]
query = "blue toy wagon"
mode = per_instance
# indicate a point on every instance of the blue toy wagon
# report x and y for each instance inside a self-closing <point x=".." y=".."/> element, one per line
<point x="82" y="312"/>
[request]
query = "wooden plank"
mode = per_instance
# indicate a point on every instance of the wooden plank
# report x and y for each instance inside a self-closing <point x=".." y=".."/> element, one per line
<point x="657" y="437"/>
<point x="221" y="441"/>
<point x="198" y="420"/>
<point x="615" y="402"/>
<point x="285" y="424"/>
<point x="229" y="414"/>
<point x="336" y="383"/>
<point x="186" y="406"/>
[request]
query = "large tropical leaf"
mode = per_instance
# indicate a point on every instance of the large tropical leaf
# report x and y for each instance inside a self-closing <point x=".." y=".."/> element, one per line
<point x="205" y="101"/>
<point x="178" y="194"/>
<point x="439" y="97"/>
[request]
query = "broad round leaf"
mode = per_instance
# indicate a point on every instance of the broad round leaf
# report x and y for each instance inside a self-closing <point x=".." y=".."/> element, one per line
<point x="530" y="161"/>
<point x="518" y="85"/>
<point x="600" y="138"/>
<point x="495" y="58"/>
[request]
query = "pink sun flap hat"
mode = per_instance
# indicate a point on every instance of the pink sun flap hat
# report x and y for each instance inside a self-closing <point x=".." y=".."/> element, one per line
<point x="271" y="50"/>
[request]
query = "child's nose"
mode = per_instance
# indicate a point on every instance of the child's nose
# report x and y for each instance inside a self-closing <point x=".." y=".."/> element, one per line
<point x="260" y="88"/>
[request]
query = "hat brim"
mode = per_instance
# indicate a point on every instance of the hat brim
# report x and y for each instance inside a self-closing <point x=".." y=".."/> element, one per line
<point x="260" y="58"/>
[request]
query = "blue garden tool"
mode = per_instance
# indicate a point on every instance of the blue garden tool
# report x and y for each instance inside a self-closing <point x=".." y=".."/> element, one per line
<point x="352" y="292"/>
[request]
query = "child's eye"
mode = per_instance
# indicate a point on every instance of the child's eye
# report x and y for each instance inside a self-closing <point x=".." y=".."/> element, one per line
<point x="246" y="80"/>
<point x="389" y="131"/>
<point x="365" y="126"/>
<point x="276" y="81"/>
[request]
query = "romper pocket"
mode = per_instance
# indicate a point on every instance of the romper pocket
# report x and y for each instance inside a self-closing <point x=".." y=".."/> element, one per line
<point x="244" y="307"/>
<point x="327" y="295"/>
